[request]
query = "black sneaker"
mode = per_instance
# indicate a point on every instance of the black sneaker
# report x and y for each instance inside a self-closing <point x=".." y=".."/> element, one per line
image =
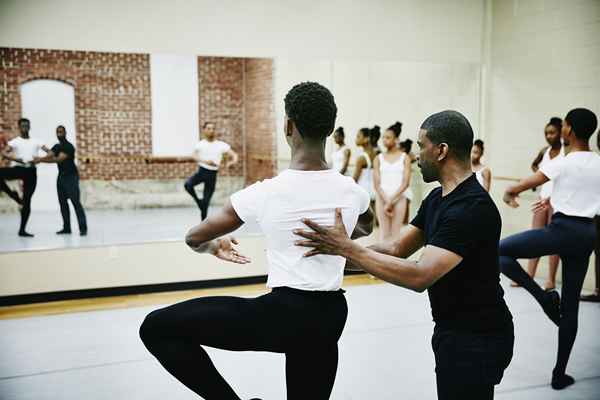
<point x="64" y="232"/>
<point x="25" y="234"/>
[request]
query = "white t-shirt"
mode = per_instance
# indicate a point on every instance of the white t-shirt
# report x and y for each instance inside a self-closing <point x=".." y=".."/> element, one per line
<point x="211" y="151"/>
<point x="548" y="186"/>
<point x="280" y="203"/>
<point x="576" y="179"/>
<point x="25" y="149"/>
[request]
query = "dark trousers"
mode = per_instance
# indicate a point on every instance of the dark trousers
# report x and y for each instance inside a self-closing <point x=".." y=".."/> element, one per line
<point x="469" y="364"/>
<point x="29" y="177"/>
<point x="67" y="188"/>
<point x="209" y="178"/>
<point x="303" y="325"/>
<point x="573" y="239"/>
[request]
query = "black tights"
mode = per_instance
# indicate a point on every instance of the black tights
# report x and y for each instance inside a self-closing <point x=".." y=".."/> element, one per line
<point x="209" y="178"/>
<point x="450" y="389"/>
<point x="573" y="239"/>
<point x="29" y="178"/>
<point x="304" y="325"/>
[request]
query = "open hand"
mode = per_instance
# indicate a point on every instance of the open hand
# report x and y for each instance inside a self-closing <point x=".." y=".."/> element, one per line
<point x="225" y="251"/>
<point x="331" y="240"/>
<point x="540" y="205"/>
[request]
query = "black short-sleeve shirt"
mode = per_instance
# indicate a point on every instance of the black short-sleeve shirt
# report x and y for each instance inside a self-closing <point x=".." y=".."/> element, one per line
<point x="466" y="222"/>
<point x="66" y="167"/>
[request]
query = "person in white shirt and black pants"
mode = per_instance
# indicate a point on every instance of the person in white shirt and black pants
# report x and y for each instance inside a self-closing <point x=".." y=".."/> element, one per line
<point x="22" y="151"/>
<point x="305" y="313"/>
<point x="209" y="154"/>
<point x="571" y="234"/>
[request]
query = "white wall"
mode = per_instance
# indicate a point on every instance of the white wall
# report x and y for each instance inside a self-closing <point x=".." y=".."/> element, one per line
<point x="545" y="61"/>
<point x="174" y="88"/>
<point x="416" y="30"/>
<point x="369" y="93"/>
<point x="47" y="104"/>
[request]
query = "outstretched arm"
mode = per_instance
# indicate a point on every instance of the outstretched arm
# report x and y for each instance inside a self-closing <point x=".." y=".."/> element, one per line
<point x="207" y="237"/>
<point x="513" y="191"/>
<point x="434" y="263"/>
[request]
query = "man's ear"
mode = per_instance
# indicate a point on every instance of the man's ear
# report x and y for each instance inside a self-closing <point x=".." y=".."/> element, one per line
<point x="443" y="151"/>
<point x="289" y="127"/>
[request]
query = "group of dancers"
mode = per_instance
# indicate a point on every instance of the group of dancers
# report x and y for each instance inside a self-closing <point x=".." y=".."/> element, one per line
<point x="24" y="153"/>
<point x="310" y="214"/>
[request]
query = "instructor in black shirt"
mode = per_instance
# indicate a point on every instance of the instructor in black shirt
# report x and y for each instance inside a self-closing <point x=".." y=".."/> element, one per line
<point x="459" y="227"/>
<point x="67" y="184"/>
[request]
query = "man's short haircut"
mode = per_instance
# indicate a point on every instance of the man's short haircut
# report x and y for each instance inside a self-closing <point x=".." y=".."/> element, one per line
<point x="452" y="128"/>
<point x="312" y="108"/>
<point x="583" y="122"/>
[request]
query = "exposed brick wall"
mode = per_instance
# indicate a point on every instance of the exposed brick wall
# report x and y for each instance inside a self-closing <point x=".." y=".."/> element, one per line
<point x="112" y="99"/>
<point x="113" y="109"/>
<point x="260" y="136"/>
<point x="221" y="100"/>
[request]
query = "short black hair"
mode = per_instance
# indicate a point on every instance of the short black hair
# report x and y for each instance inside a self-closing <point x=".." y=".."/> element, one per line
<point x="452" y="128"/>
<point x="312" y="108"/>
<point x="479" y="143"/>
<point x="22" y="120"/>
<point x="396" y="128"/>
<point x="583" y="122"/>
<point x="555" y="122"/>
<point x="63" y="128"/>
<point x="340" y="131"/>
<point x="207" y="123"/>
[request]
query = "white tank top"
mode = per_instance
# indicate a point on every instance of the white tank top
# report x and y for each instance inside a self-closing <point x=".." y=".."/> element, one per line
<point x="392" y="175"/>
<point x="366" y="175"/>
<point x="338" y="158"/>
<point x="547" y="187"/>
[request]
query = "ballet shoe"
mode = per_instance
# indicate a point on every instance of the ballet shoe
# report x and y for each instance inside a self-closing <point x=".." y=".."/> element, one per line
<point x="562" y="381"/>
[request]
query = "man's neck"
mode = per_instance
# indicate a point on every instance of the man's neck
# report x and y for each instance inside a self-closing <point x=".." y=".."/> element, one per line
<point x="576" y="146"/>
<point x="309" y="159"/>
<point x="453" y="175"/>
<point x="25" y="135"/>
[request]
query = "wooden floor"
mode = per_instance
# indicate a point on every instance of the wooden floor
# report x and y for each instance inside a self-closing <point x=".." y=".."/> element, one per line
<point x="108" y="303"/>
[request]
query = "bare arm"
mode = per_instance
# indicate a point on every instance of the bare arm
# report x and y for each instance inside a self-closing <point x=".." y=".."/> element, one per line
<point x="232" y="155"/>
<point x="433" y="264"/>
<point x="513" y="191"/>
<point x="51" y="158"/>
<point x="405" y="181"/>
<point x="377" y="179"/>
<point x="487" y="179"/>
<point x="347" y="154"/>
<point x="361" y="163"/>
<point x="536" y="162"/>
<point x="201" y="238"/>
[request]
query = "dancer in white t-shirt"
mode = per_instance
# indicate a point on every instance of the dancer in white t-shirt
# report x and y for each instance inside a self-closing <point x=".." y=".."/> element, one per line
<point x="304" y="314"/>
<point x="209" y="154"/>
<point x="22" y="151"/>
<point x="571" y="234"/>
